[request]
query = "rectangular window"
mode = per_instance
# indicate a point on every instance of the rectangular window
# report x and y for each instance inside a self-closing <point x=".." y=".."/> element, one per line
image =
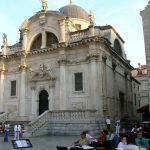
<point x="78" y="81"/>
<point x="13" y="88"/>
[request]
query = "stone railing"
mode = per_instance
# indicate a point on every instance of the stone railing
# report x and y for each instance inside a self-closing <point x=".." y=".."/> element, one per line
<point x="71" y="114"/>
<point x="39" y="122"/>
<point x="4" y="117"/>
<point x="78" y="35"/>
<point x="66" y="115"/>
<point x="15" y="49"/>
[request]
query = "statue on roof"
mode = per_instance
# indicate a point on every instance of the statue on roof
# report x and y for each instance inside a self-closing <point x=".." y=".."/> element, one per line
<point x="4" y="39"/>
<point x="44" y="5"/>
<point x="92" y="18"/>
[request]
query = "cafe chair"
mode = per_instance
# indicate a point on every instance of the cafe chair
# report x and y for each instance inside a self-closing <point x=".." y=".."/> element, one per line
<point x="61" y="148"/>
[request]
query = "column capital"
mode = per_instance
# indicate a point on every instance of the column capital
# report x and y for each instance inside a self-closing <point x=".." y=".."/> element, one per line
<point x="23" y="67"/>
<point x="93" y="56"/>
<point x="3" y="68"/>
<point x="62" y="60"/>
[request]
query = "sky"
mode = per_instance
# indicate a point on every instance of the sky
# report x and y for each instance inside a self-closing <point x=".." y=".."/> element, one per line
<point x="123" y="15"/>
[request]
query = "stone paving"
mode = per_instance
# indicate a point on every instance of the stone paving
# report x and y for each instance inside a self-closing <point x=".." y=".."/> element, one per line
<point x="42" y="143"/>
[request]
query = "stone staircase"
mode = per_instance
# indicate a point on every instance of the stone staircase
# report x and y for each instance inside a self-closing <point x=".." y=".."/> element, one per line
<point x="61" y="122"/>
<point x="67" y="122"/>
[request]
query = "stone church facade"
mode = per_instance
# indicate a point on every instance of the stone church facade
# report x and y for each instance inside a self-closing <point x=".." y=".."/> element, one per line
<point x="65" y="63"/>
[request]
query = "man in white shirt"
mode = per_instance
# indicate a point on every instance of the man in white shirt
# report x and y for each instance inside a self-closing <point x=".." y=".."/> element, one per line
<point x="17" y="131"/>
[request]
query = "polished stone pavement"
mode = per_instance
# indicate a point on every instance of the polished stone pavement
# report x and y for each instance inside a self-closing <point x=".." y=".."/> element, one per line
<point x="42" y="143"/>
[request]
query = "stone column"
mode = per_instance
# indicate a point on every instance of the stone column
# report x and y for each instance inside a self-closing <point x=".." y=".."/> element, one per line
<point x="62" y="63"/>
<point x="25" y="38"/>
<point x="43" y="39"/>
<point x="93" y="56"/>
<point x="2" y="84"/>
<point x="62" y="30"/>
<point x="23" y="90"/>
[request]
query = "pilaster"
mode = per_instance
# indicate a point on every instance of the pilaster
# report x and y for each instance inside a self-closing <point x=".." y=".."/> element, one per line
<point x="2" y="85"/>
<point x="93" y="57"/>
<point x="62" y="62"/>
<point x="23" y="89"/>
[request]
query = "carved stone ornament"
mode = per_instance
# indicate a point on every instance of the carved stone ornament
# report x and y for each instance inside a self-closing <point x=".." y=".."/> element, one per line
<point x="114" y="65"/>
<point x="104" y="58"/>
<point x="42" y="18"/>
<point x="62" y="59"/>
<point x="93" y="56"/>
<point x="43" y="74"/>
<point x="23" y="67"/>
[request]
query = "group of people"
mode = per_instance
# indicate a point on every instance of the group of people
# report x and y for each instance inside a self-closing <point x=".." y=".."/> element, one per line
<point x="113" y="140"/>
<point x="5" y="128"/>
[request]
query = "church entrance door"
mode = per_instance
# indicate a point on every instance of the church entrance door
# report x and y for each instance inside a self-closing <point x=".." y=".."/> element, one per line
<point x="43" y="101"/>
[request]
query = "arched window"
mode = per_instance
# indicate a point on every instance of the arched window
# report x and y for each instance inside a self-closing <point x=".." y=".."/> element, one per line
<point x="50" y="39"/>
<point x="117" y="47"/>
<point x="37" y="42"/>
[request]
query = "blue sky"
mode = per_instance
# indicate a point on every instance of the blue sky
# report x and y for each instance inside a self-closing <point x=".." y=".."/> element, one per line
<point x="123" y="15"/>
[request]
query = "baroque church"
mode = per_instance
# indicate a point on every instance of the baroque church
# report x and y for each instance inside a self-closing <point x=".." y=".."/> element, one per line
<point x="65" y="69"/>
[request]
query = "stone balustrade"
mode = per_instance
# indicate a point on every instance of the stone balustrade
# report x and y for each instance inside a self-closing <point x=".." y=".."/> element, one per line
<point x="3" y="117"/>
<point x="60" y="115"/>
<point x="14" y="49"/>
<point x="78" y="35"/>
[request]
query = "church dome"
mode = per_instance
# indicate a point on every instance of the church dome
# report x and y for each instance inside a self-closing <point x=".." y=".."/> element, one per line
<point x="74" y="11"/>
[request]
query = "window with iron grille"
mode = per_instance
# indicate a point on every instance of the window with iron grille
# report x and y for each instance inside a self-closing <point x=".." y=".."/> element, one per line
<point x="13" y="88"/>
<point x="78" y="81"/>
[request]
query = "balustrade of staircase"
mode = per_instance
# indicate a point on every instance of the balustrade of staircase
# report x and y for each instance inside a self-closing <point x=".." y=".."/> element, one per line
<point x="65" y="115"/>
<point x="4" y="117"/>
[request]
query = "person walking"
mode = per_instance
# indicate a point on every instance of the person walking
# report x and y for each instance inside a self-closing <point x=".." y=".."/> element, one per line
<point x="17" y="131"/>
<point x="108" y="122"/>
<point x="6" y="132"/>
<point x="118" y="127"/>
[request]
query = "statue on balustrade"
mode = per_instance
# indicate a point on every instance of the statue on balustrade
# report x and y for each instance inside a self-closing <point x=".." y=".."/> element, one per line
<point x="4" y="39"/>
<point x="44" y="5"/>
<point x="92" y="19"/>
